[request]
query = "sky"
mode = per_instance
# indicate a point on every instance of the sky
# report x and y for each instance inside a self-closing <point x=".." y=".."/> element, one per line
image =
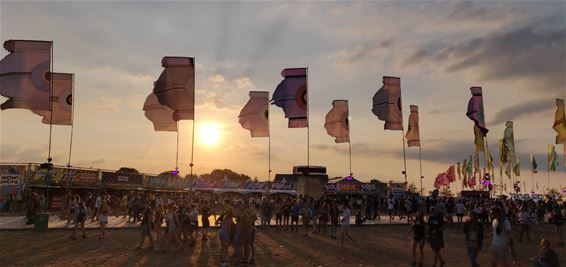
<point x="515" y="50"/>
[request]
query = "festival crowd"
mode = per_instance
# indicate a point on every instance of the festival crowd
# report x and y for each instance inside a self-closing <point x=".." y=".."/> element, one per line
<point x="171" y="220"/>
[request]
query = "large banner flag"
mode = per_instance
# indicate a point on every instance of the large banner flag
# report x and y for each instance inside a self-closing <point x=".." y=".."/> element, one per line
<point x="509" y="139"/>
<point x="254" y="117"/>
<point x="490" y="162"/>
<point x="412" y="135"/>
<point x="475" y="109"/>
<point x="291" y="95"/>
<point x="25" y="75"/>
<point x="534" y="164"/>
<point x="161" y="116"/>
<point x="175" y="87"/>
<point x="469" y="169"/>
<point x="552" y="158"/>
<point x="451" y="174"/>
<point x="560" y="122"/>
<point x="517" y="168"/>
<point x="387" y="103"/>
<point x="336" y="122"/>
<point x="479" y="138"/>
<point x="61" y="101"/>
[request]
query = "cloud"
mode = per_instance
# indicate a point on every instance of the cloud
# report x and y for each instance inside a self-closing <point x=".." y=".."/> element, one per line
<point x="222" y="94"/>
<point x="533" y="52"/>
<point x="522" y="110"/>
<point x="364" y="52"/>
<point x="468" y="11"/>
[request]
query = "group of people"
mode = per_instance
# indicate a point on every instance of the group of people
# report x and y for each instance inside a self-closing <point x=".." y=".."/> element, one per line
<point x="495" y="216"/>
<point x="175" y="220"/>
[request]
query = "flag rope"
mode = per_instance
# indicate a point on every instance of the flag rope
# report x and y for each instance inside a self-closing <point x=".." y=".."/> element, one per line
<point x="350" y="154"/>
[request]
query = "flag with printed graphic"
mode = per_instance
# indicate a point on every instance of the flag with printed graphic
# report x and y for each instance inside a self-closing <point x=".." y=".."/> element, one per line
<point x="291" y="95"/>
<point x="387" y="104"/>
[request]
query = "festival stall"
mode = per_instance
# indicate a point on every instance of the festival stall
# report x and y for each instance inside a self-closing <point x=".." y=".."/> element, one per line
<point x="12" y="182"/>
<point x="350" y="186"/>
<point x="116" y="180"/>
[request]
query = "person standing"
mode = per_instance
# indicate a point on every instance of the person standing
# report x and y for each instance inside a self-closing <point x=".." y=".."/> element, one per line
<point x="418" y="228"/>
<point x="500" y="249"/>
<point x="436" y="234"/>
<point x="525" y="222"/>
<point x="474" y="237"/>
<point x="460" y="209"/>
<point x="81" y="214"/>
<point x="205" y="214"/>
<point x="104" y="212"/>
<point x="346" y="224"/>
<point x="97" y="204"/>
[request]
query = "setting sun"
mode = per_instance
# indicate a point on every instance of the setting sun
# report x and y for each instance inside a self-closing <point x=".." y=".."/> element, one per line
<point x="209" y="134"/>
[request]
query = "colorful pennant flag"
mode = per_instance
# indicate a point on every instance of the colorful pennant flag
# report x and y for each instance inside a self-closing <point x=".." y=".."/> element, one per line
<point x="25" y="75"/>
<point x="291" y="95"/>
<point x="387" y="103"/>
<point x="337" y="123"/>
<point x="255" y="114"/>
<point x="451" y="174"/>
<point x="479" y="139"/>
<point x="175" y="87"/>
<point x="475" y="109"/>
<point x="412" y="135"/>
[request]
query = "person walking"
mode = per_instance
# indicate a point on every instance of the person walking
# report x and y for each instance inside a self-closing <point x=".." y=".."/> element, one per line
<point x="104" y="212"/>
<point x="473" y="229"/>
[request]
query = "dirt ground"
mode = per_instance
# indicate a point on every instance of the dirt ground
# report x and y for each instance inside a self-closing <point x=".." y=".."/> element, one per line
<point x="375" y="246"/>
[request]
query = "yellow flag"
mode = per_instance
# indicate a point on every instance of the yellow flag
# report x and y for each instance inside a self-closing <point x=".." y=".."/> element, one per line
<point x="479" y="138"/>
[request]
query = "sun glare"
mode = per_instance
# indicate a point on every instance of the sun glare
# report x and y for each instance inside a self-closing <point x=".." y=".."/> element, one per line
<point x="209" y="134"/>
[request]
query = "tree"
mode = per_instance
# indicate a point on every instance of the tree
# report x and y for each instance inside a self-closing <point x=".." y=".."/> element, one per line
<point x="219" y="174"/>
<point x="445" y="191"/>
<point x="412" y="189"/>
<point x="127" y="170"/>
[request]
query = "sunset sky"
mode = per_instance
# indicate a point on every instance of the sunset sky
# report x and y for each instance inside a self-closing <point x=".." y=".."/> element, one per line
<point x="514" y="50"/>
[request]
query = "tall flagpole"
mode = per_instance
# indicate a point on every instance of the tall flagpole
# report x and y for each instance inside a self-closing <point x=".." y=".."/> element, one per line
<point x="177" y="154"/>
<point x="268" y="145"/>
<point x="532" y="173"/>
<point x="548" y="173"/>
<point x="50" y="105"/>
<point x="420" y="167"/>
<point x="308" y="134"/>
<point x="192" y="144"/>
<point x="72" y="119"/>
<point x="350" y="154"/>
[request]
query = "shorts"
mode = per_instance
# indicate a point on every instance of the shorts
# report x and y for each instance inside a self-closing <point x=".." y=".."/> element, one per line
<point x="346" y="228"/>
<point x="223" y="235"/>
<point x="103" y="219"/>
<point x="418" y="238"/>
